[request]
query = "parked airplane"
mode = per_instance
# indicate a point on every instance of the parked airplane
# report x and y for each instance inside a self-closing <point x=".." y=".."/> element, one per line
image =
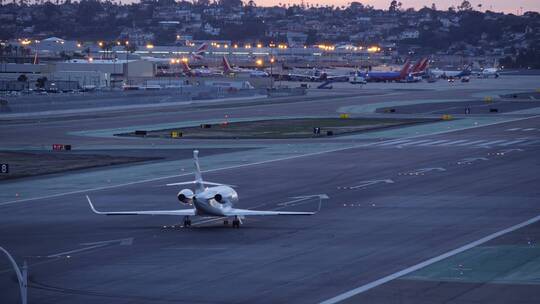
<point x="451" y="74"/>
<point x="388" y="76"/>
<point x="309" y="75"/>
<point x="228" y="70"/>
<point x="214" y="201"/>
<point x="199" y="72"/>
<point x="320" y="75"/>
<point x="196" y="55"/>
<point x="487" y="72"/>
<point x="417" y="71"/>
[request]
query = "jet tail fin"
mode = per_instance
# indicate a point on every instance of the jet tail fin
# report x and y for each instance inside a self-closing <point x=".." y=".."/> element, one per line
<point x="405" y="69"/>
<point x="226" y="65"/>
<point x="199" y="183"/>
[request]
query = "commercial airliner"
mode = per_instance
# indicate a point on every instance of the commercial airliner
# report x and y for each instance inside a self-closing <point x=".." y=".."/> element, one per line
<point x="216" y="201"/>
<point x="451" y="74"/>
<point x="388" y="76"/>
<point x="228" y="70"/>
<point x="198" y="72"/>
<point x="487" y="72"/>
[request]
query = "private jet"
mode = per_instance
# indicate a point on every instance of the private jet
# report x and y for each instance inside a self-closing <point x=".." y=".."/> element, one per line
<point x="216" y="201"/>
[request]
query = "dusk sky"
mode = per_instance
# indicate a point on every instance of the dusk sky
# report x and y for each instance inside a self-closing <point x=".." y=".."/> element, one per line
<point x="494" y="5"/>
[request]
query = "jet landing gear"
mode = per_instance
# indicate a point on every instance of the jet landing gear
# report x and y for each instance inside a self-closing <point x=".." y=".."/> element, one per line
<point x="236" y="222"/>
<point x="187" y="222"/>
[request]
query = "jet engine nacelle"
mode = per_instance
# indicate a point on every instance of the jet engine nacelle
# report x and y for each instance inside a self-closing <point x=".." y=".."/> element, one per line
<point x="185" y="196"/>
<point x="219" y="198"/>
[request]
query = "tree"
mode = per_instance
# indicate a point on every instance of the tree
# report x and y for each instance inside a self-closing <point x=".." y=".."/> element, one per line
<point x="229" y="5"/>
<point x="311" y="37"/>
<point x="393" y="6"/>
<point x="22" y="78"/>
<point x="465" y="6"/>
<point x="40" y="82"/>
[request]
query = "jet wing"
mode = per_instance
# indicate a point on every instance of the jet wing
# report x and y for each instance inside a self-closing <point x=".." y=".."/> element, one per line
<point x="181" y="212"/>
<point x="246" y="212"/>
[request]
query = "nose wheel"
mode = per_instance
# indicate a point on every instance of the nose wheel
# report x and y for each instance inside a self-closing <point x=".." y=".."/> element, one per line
<point x="187" y="222"/>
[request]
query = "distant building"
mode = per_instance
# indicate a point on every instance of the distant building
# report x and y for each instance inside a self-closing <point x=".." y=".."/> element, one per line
<point x="295" y="39"/>
<point x="409" y="34"/>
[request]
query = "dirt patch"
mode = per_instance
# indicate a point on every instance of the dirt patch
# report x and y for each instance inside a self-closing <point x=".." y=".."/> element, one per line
<point x="24" y="164"/>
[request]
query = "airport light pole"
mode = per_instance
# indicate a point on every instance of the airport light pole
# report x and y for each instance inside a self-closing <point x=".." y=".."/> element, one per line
<point x="272" y="71"/>
<point x="22" y="276"/>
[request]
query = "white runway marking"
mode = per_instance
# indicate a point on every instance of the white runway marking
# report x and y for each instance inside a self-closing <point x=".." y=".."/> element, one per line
<point x="415" y="142"/>
<point x="372" y="182"/>
<point x="93" y="245"/>
<point x="393" y="276"/>
<point x="388" y="143"/>
<point x="433" y="142"/>
<point x="490" y="143"/>
<point x="471" y="142"/>
<point x="511" y="142"/>
<point x="530" y="143"/>
<point x="453" y="142"/>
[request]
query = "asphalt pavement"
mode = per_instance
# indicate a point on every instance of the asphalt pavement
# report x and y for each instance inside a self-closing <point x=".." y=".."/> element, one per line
<point x="395" y="202"/>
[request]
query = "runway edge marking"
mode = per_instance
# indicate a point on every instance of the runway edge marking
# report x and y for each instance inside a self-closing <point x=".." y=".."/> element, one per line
<point x="393" y="276"/>
<point x="259" y="163"/>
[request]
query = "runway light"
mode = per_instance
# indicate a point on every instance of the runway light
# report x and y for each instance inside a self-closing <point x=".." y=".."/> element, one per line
<point x="185" y="59"/>
<point x="259" y="62"/>
<point x="149" y="46"/>
<point x="100" y="44"/>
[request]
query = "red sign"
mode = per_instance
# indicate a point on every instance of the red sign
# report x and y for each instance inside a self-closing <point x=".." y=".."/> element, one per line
<point x="57" y="147"/>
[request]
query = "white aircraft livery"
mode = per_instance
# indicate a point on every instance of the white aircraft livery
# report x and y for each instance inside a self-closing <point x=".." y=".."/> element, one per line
<point x="216" y="201"/>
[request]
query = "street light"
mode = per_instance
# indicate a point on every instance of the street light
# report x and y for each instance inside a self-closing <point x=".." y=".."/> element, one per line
<point x="272" y="60"/>
<point x="22" y="276"/>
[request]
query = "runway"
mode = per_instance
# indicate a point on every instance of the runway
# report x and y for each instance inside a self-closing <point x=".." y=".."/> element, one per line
<point x="394" y="202"/>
